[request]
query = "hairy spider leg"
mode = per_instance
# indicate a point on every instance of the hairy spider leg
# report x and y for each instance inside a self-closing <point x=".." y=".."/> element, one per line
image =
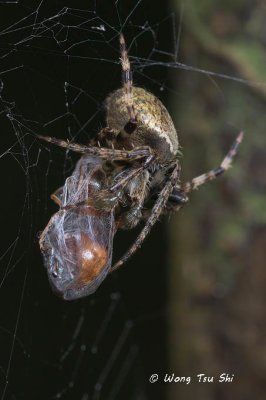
<point x="155" y="213"/>
<point x="129" y="219"/>
<point x="137" y="153"/>
<point x="128" y="87"/>
<point x="210" y="175"/>
<point x="131" y="173"/>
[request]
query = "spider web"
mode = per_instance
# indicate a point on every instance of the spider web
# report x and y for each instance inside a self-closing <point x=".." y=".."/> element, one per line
<point x="58" y="63"/>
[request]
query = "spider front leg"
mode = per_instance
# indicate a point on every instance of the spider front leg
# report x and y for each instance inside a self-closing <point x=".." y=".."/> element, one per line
<point x="131" y="187"/>
<point x="137" y="153"/>
<point x="136" y="193"/>
<point x="176" y="200"/>
<point x="127" y="175"/>
<point x="155" y="213"/>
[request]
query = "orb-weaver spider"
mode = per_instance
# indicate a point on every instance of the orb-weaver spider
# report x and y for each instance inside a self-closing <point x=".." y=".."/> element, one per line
<point x="130" y="165"/>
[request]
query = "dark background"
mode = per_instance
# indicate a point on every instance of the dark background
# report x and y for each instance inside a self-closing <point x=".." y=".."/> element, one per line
<point x="107" y="345"/>
<point x="192" y="299"/>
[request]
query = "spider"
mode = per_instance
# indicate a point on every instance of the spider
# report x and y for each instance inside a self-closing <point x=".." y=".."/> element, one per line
<point x="138" y="152"/>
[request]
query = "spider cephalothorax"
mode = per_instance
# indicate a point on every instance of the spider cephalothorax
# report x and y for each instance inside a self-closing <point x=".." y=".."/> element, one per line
<point x="129" y="172"/>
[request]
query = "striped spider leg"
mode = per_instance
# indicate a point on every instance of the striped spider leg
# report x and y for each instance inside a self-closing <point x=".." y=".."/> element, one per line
<point x="173" y="197"/>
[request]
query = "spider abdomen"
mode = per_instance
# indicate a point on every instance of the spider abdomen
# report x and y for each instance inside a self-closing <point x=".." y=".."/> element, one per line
<point x="155" y="127"/>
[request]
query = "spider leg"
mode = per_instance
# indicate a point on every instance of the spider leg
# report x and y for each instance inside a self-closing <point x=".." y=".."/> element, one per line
<point x="127" y="83"/>
<point x="176" y="200"/>
<point x="155" y="213"/>
<point x="210" y="175"/>
<point x="131" y="173"/>
<point x="136" y="192"/>
<point x="102" y="152"/>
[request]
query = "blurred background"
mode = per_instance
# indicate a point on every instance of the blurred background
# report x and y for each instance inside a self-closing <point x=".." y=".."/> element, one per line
<point x="192" y="299"/>
<point x="218" y="243"/>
